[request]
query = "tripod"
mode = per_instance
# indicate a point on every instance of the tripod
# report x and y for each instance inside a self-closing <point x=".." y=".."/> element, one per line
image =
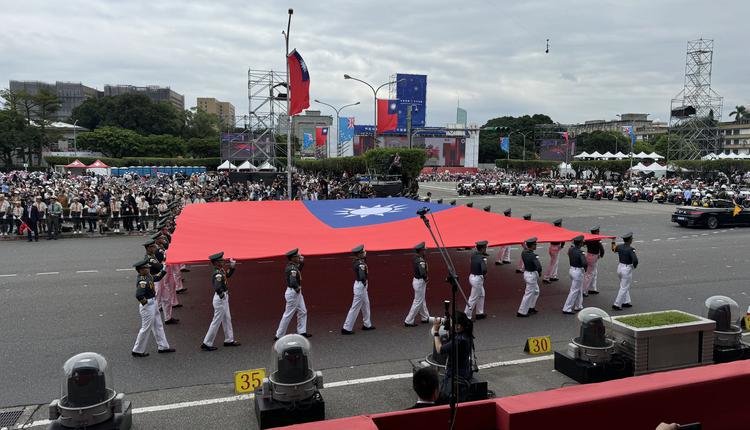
<point x="455" y="287"/>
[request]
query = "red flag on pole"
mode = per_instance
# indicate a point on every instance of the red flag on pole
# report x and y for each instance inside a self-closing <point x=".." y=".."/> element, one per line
<point x="321" y="136"/>
<point x="299" y="84"/>
<point x="387" y="115"/>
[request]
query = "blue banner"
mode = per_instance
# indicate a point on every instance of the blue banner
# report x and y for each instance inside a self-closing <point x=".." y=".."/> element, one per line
<point x="346" y="129"/>
<point x="505" y="144"/>
<point x="411" y="90"/>
<point x="307" y="140"/>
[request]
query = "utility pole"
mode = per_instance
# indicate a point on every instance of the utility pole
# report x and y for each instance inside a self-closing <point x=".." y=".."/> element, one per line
<point x="289" y="117"/>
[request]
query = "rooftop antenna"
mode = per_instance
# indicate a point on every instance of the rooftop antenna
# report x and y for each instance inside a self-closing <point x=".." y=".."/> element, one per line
<point x="546" y="51"/>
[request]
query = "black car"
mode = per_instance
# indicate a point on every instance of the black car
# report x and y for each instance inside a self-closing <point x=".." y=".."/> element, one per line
<point x="720" y="214"/>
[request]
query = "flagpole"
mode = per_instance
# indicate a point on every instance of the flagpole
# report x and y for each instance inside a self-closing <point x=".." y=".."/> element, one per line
<point x="289" y="117"/>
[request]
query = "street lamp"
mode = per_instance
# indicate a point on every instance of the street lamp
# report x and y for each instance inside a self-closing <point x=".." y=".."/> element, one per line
<point x="375" y="97"/>
<point x="632" y="130"/>
<point x="338" y="144"/>
<point x="524" y="139"/>
<point x="75" y="142"/>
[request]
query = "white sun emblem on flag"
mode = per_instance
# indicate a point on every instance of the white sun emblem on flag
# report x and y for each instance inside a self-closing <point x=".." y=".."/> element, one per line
<point x="364" y="211"/>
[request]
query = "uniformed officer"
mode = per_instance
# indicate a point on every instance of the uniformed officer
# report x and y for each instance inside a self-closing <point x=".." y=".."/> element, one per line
<point x="295" y="302"/>
<point x="503" y="252"/>
<point x="628" y="263"/>
<point x="594" y="251"/>
<point x="165" y="292"/>
<point x="578" y="264"/>
<point x="554" y="254"/>
<point x="419" y="283"/>
<point x="519" y="268"/>
<point x="476" y="280"/>
<point x="150" y="318"/>
<point x="361" y="300"/>
<point x="222" y="316"/>
<point x="531" y="277"/>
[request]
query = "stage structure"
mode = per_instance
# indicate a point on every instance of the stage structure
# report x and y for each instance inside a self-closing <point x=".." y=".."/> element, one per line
<point x="266" y="93"/>
<point x="696" y="111"/>
<point x="551" y="143"/>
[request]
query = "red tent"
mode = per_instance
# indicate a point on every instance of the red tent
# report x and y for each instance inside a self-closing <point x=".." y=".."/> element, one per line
<point x="256" y="230"/>
<point x="98" y="165"/>
<point x="76" y="165"/>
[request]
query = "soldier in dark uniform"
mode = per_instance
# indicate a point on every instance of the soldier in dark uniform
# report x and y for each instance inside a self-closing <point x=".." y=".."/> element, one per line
<point x="519" y="268"/>
<point x="628" y="263"/>
<point x="150" y="318"/>
<point x="594" y="251"/>
<point x="578" y="264"/>
<point x="295" y="303"/>
<point x="533" y="270"/>
<point x="361" y="300"/>
<point x="419" y="284"/>
<point x="476" y="280"/>
<point x="554" y="260"/>
<point x="503" y="252"/>
<point x="222" y="316"/>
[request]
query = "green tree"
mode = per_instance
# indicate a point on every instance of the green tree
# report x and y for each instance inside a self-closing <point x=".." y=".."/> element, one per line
<point x="202" y="148"/>
<point x="739" y="113"/>
<point x="12" y="135"/>
<point x="111" y="141"/>
<point x="201" y="124"/>
<point x="161" y="145"/>
<point x="602" y="141"/>
<point x="489" y="141"/>
<point x="135" y="112"/>
<point x="37" y="112"/>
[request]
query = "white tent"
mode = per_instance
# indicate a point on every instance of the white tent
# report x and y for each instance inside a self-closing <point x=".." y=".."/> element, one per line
<point x="620" y="155"/>
<point x="247" y="166"/>
<point x="723" y="156"/>
<point x="566" y="169"/>
<point x="638" y="167"/>
<point x="655" y="156"/>
<point x="226" y="165"/>
<point x="608" y="155"/>
<point x="710" y="156"/>
<point x="266" y="167"/>
<point x="583" y="154"/>
<point x="641" y="155"/>
<point x="595" y="155"/>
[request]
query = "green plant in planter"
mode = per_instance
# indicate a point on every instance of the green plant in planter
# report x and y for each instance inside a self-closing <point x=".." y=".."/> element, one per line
<point x="656" y="319"/>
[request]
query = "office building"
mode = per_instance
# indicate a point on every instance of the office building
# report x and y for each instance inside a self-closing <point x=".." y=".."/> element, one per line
<point x="224" y="110"/>
<point x="154" y="92"/>
<point x="71" y="94"/>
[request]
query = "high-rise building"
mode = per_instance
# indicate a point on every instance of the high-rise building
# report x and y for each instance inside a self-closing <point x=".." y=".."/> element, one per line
<point x="71" y="94"/>
<point x="224" y="110"/>
<point x="154" y="92"/>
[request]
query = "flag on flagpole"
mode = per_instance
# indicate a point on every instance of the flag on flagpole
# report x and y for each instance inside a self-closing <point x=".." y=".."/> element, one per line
<point x="299" y="84"/>
<point x="307" y="140"/>
<point x="505" y="144"/>
<point x="387" y="115"/>
<point x="321" y="136"/>
<point x="346" y="129"/>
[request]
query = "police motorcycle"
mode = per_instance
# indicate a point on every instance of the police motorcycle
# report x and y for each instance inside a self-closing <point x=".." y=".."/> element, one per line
<point x="525" y="189"/>
<point x="492" y="187"/>
<point x="675" y="195"/>
<point x="648" y="194"/>
<point x="559" y="191"/>
<point x="620" y="194"/>
<point x="583" y="192"/>
<point x="743" y="198"/>
<point x="539" y="189"/>
<point x="505" y="188"/>
<point x="549" y="191"/>
<point x="481" y="188"/>
<point x="597" y="192"/>
<point x="633" y="194"/>
<point x="464" y="188"/>
<point x="513" y="189"/>
<point x="660" y="196"/>
<point x="609" y="191"/>
<point x="573" y="190"/>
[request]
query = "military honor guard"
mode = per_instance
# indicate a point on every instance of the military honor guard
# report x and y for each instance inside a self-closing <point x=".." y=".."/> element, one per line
<point x="519" y="268"/>
<point x="503" y="252"/>
<point x="222" y="316"/>
<point x="554" y="254"/>
<point x="628" y="263"/>
<point x="419" y="283"/>
<point x="574" y="302"/>
<point x="361" y="300"/>
<point x="145" y="293"/>
<point x="594" y="251"/>
<point x="295" y="302"/>
<point x="476" y="280"/>
<point x="533" y="270"/>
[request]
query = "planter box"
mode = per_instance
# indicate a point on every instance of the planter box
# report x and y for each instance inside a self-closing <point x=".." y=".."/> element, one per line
<point x="666" y="347"/>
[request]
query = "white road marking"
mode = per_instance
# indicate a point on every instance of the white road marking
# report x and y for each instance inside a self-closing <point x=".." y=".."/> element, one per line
<point x="48" y="273"/>
<point x="123" y="270"/>
<point x="671" y="238"/>
<point x="656" y="240"/>
<point x="344" y="383"/>
<point x="7" y="276"/>
<point x="87" y="271"/>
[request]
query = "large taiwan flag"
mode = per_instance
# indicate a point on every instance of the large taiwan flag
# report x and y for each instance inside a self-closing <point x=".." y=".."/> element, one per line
<point x="321" y="136"/>
<point x="299" y="84"/>
<point x="387" y="115"/>
<point x="327" y="227"/>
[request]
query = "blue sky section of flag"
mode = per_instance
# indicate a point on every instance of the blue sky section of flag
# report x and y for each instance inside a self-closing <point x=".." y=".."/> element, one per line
<point x="364" y="212"/>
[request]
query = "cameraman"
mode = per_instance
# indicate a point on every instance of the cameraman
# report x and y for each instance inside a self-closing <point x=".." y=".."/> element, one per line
<point x="464" y="342"/>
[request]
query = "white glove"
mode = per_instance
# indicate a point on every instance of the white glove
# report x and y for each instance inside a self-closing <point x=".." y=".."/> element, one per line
<point x="232" y="263"/>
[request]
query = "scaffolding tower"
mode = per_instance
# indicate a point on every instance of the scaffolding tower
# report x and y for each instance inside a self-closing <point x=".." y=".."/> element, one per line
<point x="696" y="111"/>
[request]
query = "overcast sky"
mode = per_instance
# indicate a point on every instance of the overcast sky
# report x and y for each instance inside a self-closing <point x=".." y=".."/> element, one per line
<point x="606" y="57"/>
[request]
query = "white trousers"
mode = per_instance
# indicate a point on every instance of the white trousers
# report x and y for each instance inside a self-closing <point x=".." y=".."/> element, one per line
<point x="295" y="303"/>
<point x="361" y="301"/>
<point x="178" y="285"/>
<point x="554" y="262"/>
<point x="531" y="293"/>
<point x="574" y="301"/>
<point x="418" y="306"/>
<point x="592" y="273"/>
<point x="221" y="317"/>
<point x="150" y="324"/>
<point x="503" y="254"/>
<point x="476" y="299"/>
<point x="625" y="272"/>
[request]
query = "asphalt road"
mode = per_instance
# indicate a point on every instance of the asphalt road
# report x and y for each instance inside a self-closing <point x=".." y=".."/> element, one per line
<point x="63" y="297"/>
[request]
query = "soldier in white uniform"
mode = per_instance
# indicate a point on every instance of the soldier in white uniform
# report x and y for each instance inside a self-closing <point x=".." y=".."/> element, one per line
<point x="295" y="302"/>
<point x="594" y="251"/>
<point x="150" y="318"/>
<point x="574" y="302"/>
<point x="519" y="268"/>
<point x="531" y="277"/>
<point x="554" y="257"/>
<point x="476" y="280"/>
<point x="503" y="252"/>
<point x="222" y="316"/>
<point x="361" y="300"/>
<point x="628" y="263"/>
<point x="419" y="284"/>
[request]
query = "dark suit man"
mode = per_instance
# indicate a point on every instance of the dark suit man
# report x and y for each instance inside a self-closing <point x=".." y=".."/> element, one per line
<point x="427" y="386"/>
<point x="31" y="218"/>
